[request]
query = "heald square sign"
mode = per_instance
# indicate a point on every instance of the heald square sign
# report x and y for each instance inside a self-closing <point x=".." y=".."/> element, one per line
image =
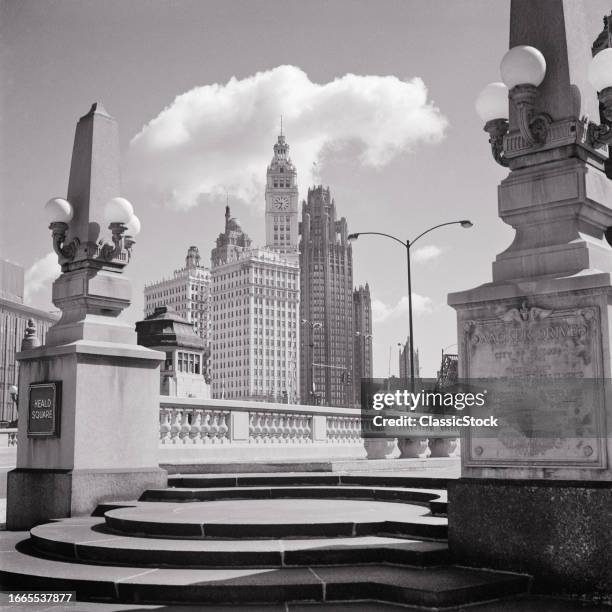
<point x="44" y="403"/>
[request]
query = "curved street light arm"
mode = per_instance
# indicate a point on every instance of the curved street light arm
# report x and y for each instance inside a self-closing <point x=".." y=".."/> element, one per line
<point x="411" y="242"/>
<point x="402" y="242"/>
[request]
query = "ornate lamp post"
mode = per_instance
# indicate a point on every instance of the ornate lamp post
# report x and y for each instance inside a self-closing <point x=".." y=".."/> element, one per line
<point x="98" y="437"/>
<point x="549" y="123"/>
<point x="407" y="244"/>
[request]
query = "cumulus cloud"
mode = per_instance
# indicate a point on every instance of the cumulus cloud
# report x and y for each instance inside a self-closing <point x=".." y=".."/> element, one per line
<point x="382" y="312"/>
<point x="40" y="274"/>
<point x="426" y="253"/>
<point x="217" y="138"/>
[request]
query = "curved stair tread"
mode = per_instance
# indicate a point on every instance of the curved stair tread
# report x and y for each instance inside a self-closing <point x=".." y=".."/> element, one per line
<point x="83" y="543"/>
<point x="430" y="586"/>
<point x="323" y="478"/>
<point x="276" y="511"/>
<point x="400" y="494"/>
<point x="262" y="518"/>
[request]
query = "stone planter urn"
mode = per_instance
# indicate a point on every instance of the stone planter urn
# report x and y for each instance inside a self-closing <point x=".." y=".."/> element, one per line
<point x="412" y="448"/>
<point x="379" y="448"/>
<point x="443" y="447"/>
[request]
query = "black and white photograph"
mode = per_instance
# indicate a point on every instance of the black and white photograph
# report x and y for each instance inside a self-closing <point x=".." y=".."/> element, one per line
<point x="306" y="305"/>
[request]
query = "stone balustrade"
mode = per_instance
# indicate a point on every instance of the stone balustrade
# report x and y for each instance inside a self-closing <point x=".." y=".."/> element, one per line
<point x="194" y="431"/>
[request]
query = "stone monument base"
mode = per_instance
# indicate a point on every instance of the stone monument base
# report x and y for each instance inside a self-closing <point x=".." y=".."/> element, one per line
<point x="38" y="495"/>
<point x="106" y="443"/>
<point x="558" y="531"/>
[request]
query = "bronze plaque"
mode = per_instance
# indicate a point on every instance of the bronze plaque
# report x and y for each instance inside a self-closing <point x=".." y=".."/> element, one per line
<point x="544" y="370"/>
<point x="44" y="404"/>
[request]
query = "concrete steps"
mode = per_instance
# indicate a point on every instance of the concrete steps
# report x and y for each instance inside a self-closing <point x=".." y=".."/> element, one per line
<point x="305" y="478"/>
<point x="413" y="489"/>
<point x="86" y="541"/>
<point x="434" y="499"/>
<point x="258" y="539"/>
<point x="23" y="568"/>
<point x="275" y="518"/>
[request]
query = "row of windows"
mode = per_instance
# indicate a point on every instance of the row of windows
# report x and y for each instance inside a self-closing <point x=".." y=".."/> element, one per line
<point x="188" y="362"/>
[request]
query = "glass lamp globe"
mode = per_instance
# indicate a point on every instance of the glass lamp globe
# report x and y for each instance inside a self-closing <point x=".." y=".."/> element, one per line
<point x="133" y="226"/>
<point x="492" y="102"/>
<point x="600" y="70"/>
<point x="523" y="65"/>
<point x="58" y="210"/>
<point x="118" y="210"/>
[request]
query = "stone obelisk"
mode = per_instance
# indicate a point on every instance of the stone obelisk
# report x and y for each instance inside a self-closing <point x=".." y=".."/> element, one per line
<point x="97" y="388"/>
<point x="528" y="501"/>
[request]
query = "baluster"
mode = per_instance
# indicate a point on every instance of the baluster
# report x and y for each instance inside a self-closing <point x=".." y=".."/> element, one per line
<point x="214" y="427"/>
<point x="293" y="429"/>
<point x="223" y="428"/>
<point x="267" y="428"/>
<point x="286" y="428"/>
<point x="331" y="429"/>
<point x="252" y="434"/>
<point x="308" y="429"/>
<point x="258" y="429"/>
<point x="339" y="430"/>
<point x="175" y="425"/>
<point x="276" y="428"/>
<point x="185" y="427"/>
<point x="196" y="427"/>
<point x="206" y="428"/>
<point x="164" y="425"/>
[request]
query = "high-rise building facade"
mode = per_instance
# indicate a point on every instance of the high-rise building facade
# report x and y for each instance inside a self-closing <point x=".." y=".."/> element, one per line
<point x="282" y="201"/>
<point x="14" y="317"/>
<point x="404" y="362"/>
<point x="326" y="303"/>
<point x="362" y="318"/>
<point x="255" y="320"/>
<point x="187" y="292"/>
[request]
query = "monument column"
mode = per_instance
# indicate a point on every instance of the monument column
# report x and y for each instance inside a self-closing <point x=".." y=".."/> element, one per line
<point x="534" y="493"/>
<point x="88" y="398"/>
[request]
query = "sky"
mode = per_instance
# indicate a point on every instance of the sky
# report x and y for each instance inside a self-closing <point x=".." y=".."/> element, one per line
<point x="378" y="103"/>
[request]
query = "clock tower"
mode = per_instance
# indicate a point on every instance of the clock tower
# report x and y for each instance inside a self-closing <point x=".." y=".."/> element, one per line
<point x="282" y="200"/>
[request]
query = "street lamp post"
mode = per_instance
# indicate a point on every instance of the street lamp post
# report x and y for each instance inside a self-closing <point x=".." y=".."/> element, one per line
<point x="407" y="244"/>
<point x="312" y="325"/>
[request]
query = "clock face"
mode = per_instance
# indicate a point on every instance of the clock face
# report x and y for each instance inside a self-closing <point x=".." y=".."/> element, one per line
<point x="280" y="203"/>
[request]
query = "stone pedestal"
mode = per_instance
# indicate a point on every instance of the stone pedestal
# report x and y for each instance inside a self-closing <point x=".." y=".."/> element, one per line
<point x="539" y="504"/>
<point x="109" y="427"/>
<point x="556" y="530"/>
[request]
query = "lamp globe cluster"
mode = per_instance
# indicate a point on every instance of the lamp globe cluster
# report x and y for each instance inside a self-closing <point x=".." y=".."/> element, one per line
<point x="58" y="210"/>
<point x="600" y="70"/>
<point x="120" y="210"/>
<point x="523" y="65"/>
<point x="492" y="102"/>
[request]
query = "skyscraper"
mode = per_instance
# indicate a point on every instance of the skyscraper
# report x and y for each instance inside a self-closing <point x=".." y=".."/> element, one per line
<point x="255" y="309"/>
<point x="404" y="362"/>
<point x="326" y="303"/>
<point x="282" y="201"/>
<point x="187" y="292"/>
<point x="362" y="315"/>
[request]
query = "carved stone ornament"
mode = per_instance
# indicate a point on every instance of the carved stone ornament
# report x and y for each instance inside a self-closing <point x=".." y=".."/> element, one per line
<point x="525" y="314"/>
